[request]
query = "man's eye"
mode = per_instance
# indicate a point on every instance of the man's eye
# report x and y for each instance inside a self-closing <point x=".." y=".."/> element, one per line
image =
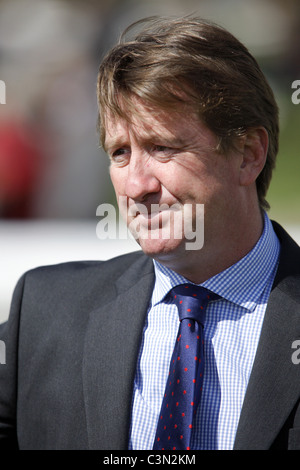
<point x="160" y="148"/>
<point x="119" y="155"/>
<point x="119" y="152"/>
<point x="162" y="152"/>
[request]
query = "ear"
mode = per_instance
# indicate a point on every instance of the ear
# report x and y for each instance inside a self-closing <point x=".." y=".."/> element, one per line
<point x="255" y="151"/>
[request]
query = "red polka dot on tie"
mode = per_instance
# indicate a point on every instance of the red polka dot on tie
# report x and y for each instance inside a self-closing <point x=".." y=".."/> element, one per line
<point x="188" y="309"/>
<point x="184" y="392"/>
<point x="187" y="346"/>
<point x="188" y="448"/>
<point x="190" y="426"/>
<point x="185" y="369"/>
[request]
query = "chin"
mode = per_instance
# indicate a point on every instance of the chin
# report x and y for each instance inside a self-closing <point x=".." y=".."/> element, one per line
<point x="160" y="249"/>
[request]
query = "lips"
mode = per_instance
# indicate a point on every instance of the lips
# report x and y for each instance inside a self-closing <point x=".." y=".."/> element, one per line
<point x="150" y="212"/>
<point x="163" y="221"/>
<point x="135" y="210"/>
<point x="151" y="220"/>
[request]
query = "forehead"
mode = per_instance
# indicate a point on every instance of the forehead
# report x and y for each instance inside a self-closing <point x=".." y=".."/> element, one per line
<point x="150" y="123"/>
<point x="144" y="124"/>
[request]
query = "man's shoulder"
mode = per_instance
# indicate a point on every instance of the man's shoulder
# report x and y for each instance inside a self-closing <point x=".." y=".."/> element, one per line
<point x="288" y="273"/>
<point x="284" y="237"/>
<point x="69" y="270"/>
<point x="289" y="248"/>
<point x="71" y="285"/>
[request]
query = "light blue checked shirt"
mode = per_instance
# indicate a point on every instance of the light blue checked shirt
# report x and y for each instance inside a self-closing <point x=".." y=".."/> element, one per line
<point x="232" y="330"/>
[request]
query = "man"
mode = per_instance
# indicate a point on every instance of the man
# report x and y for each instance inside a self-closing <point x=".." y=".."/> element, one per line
<point x="188" y="120"/>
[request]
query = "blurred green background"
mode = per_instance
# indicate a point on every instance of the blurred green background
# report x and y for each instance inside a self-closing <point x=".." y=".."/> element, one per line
<point x="284" y="192"/>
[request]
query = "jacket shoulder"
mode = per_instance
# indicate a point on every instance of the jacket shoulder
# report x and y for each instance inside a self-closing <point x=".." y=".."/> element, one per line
<point x="86" y="268"/>
<point x="288" y="273"/>
<point x="81" y="282"/>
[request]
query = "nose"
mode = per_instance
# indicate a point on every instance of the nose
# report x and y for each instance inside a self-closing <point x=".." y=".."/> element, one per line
<point x="141" y="180"/>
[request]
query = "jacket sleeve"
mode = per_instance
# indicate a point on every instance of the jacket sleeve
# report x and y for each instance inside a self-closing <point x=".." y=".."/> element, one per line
<point x="9" y="333"/>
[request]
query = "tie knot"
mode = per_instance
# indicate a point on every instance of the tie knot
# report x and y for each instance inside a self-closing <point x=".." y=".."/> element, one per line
<point x="192" y="301"/>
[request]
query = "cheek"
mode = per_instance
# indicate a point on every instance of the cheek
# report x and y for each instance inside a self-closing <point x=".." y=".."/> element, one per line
<point x="118" y="180"/>
<point x="176" y="180"/>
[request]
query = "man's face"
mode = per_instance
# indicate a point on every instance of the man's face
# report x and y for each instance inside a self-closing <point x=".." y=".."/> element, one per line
<point x="163" y="167"/>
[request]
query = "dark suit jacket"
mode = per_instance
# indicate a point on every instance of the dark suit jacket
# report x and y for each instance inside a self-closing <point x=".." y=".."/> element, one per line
<point x="71" y="348"/>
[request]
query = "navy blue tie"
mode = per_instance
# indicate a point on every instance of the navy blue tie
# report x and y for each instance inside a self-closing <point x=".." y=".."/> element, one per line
<point x="184" y="383"/>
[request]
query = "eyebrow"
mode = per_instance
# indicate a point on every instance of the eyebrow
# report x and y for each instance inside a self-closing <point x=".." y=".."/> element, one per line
<point x="117" y="142"/>
<point x="114" y="142"/>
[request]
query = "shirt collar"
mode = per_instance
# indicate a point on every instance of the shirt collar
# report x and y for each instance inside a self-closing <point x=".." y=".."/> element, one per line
<point x="241" y="283"/>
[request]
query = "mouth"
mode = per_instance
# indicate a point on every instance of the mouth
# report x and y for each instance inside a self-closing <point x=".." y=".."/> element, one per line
<point x="155" y="217"/>
<point x="152" y="210"/>
<point x="151" y="220"/>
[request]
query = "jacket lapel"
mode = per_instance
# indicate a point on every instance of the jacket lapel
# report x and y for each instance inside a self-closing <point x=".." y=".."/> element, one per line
<point x="273" y="388"/>
<point x="113" y="337"/>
